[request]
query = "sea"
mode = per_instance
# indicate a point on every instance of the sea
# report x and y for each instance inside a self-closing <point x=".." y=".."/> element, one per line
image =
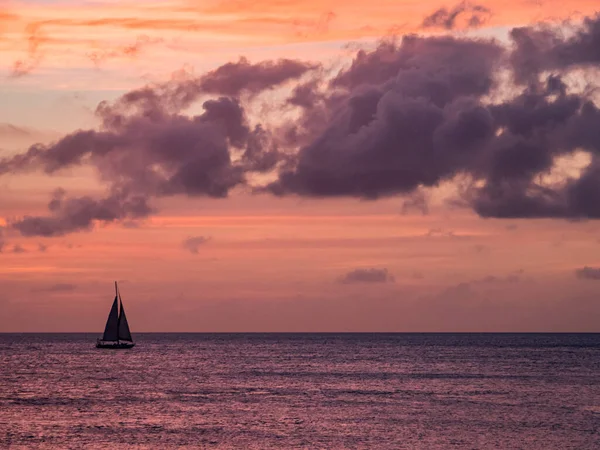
<point x="301" y="391"/>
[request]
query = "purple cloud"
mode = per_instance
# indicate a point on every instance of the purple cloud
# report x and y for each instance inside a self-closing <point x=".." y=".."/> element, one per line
<point x="407" y="115"/>
<point x="473" y="14"/>
<point x="193" y="243"/>
<point x="68" y="215"/>
<point x="588" y="273"/>
<point x="372" y="275"/>
<point x="232" y="79"/>
<point x="58" y="287"/>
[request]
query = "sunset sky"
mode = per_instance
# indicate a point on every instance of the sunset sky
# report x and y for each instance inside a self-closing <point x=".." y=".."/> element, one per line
<point x="278" y="165"/>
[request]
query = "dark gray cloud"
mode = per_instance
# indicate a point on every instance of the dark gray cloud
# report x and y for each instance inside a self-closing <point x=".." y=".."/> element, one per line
<point x="480" y="248"/>
<point x="468" y="287"/>
<point x="577" y="198"/>
<point x="58" y="287"/>
<point x="411" y="115"/>
<point x="232" y="79"/>
<point x="546" y="47"/>
<point x="406" y="115"/>
<point x="147" y="148"/>
<point x="147" y="127"/>
<point x="68" y="215"/>
<point x="18" y="248"/>
<point x="8" y="130"/>
<point x="510" y="278"/>
<point x="440" y="232"/>
<point x="193" y="243"/>
<point x="439" y="68"/>
<point x="588" y="273"/>
<point x="417" y="201"/>
<point x="372" y="275"/>
<point x="468" y="14"/>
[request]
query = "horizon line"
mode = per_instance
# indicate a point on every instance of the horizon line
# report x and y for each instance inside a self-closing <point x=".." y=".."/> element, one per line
<point x="309" y="332"/>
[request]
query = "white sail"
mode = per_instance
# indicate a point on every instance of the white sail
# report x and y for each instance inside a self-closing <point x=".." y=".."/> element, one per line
<point x="111" y="331"/>
<point x="124" y="333"/>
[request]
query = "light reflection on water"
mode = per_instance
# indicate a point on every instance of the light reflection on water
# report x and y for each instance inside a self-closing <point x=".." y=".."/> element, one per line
<point x="287" y="391"/>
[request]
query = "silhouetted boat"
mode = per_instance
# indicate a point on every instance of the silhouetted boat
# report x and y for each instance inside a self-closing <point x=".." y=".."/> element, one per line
<point x="116" y="333"/>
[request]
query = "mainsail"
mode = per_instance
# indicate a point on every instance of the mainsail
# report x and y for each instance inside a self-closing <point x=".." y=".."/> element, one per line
<point x="111" y="331"/>
<point x="124" y="333"/>
<point x="116" y="333"/>
<point x="117" y="328"/>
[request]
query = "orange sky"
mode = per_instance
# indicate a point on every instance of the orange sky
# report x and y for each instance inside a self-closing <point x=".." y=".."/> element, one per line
<point x="267" y="264"/>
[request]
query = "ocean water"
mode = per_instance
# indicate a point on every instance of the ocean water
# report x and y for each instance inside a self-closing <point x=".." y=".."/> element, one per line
<point x="306" y="391"/>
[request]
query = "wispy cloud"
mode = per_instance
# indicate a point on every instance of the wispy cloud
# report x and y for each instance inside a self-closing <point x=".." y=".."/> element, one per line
<point x="193" y="243"/>
<point x="369" y="275"/>
<point x="463" y="15"/>
<point x="128" y="51"/>
<point x="216" y="25"/>
<point x="35" y="39"/>
<point x="58" y="287"/>
<point x="18" y="248"/>
<point x="588" y="273"/>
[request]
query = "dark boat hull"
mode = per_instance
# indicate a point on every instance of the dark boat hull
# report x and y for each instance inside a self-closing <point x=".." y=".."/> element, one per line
<point x="114" y="345"/>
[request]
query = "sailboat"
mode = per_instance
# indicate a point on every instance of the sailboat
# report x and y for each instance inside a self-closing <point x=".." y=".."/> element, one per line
<point x="116" y="333"/>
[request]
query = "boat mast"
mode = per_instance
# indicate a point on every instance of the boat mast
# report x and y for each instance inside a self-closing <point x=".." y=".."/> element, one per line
<point x="117" y="295"/>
